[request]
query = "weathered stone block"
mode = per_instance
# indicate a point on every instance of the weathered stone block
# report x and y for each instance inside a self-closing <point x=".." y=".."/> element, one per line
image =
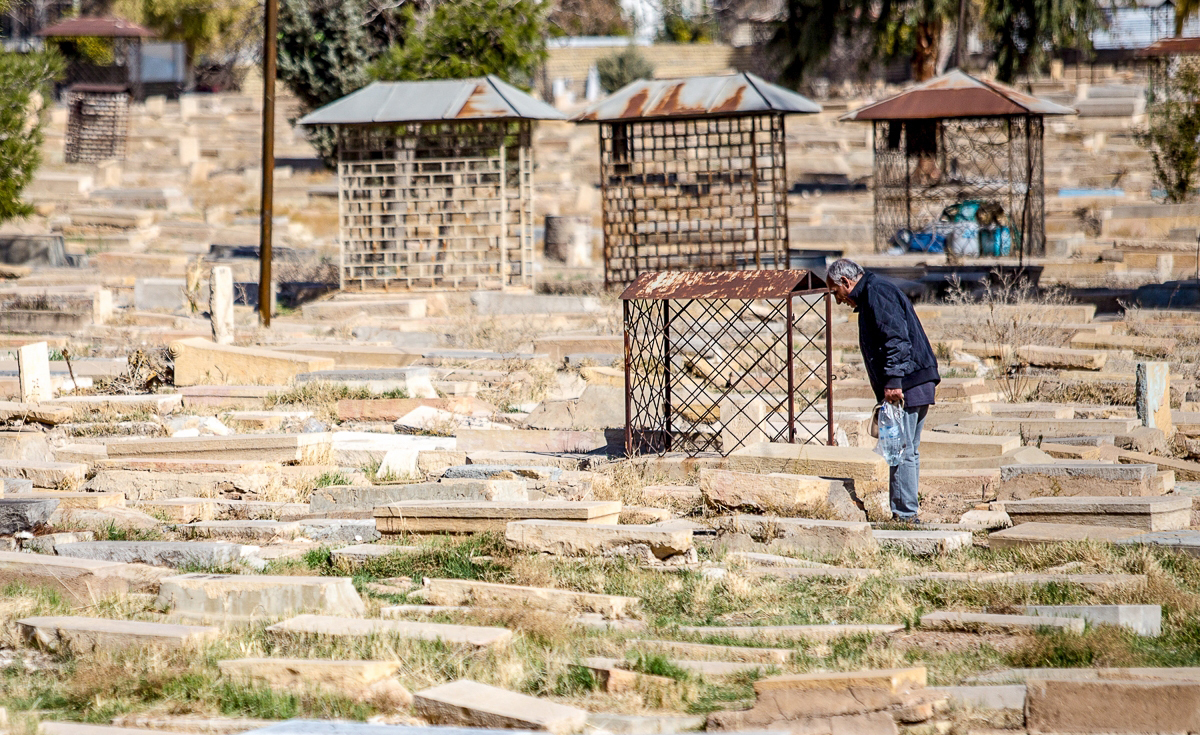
<point x="803" y="534"/>
<point x="240" y="597"/>
<point x="487" y="594"/>
<point x="773" y="493"/>
<point x="1021" y="481"/>
<point x="329" y="625"/>
<point x="1167" y="513"/>
<point x="472" y="704"/>
<point x="1142" y="619"/>
<point x="83" y="635"/>
<point x="199" y="361"/>
<point x="1033" y="534"/>
<point x="1112" y="706"/>
<point x="475" y="517"/>
<point x="565" y="538"/>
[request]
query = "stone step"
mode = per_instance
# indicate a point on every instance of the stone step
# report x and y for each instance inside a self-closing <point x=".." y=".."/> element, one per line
<point x="199" y="361"/>
<point x="862" y="465"/>
<point x="45" y="474"/>
<point x="1142" y="619"/>
<point x="161" y="553"/>
<point x="1031" y="429"/>
<point x="708" y="651"/>
<point x="471" y="704"/>
<point x="994" y="697"/>
<point x="488" y="594"/>
<point x="773" y="493"/>
<point x="565" y="538"/>
<point x="792" y="632"/>
<point x="1035" y="534"/>
<point x="420" y="516"/>
<point x="983" y="622"/>
<point x="329" y="625"/>
<point x="82" y="635"/>
<point x="249" y="596"/>
<point x="891" y="680"/>
<point x="923" y="543"/>
<point x="180" y="510"/>
<point x="1165" y="513"/>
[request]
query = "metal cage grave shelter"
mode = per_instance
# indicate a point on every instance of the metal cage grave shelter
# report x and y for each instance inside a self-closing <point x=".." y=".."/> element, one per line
<point x="435" y="183"/>
<point x="693" y="175"/>
<point x="719" y="360"/>
<point x="100" y="81"/>
<point x="958" y="139"/>
<point x="1165" y="59"/>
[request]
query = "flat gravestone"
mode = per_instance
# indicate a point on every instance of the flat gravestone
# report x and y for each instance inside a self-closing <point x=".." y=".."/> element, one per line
<point x="1142" y="619"/>
<point x="469" y="517"/>
<point x="792" y="632"/>
<point x="923" y="543"/>
<point x="81" y="634"/>
<point x="1036" y="534"/>
<point x="159" y="553"/>
<point x="1165" y="513"/>
<point x="21" y="514"/>
<point x="978" y="622"/>
<point x="1187" y="542"/>
<point x="466" y="702"/>
<point x="248" y="596"/>
<point x="329" y="625"/>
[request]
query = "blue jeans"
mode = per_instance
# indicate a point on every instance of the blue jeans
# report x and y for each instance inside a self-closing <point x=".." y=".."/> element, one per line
<point x="904" y="476"/>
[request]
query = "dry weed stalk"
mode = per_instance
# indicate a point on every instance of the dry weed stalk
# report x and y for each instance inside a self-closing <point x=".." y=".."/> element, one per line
<point x="1011" y="313"/>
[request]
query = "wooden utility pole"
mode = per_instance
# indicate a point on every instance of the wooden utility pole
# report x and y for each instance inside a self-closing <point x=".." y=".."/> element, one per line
<point x="960" y="38"/>
<point x="267" y="200"/>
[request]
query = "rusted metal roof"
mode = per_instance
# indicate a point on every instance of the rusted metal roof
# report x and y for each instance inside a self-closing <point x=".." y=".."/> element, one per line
<point x="957" y="94"/>
<point x="760" y="284"/>
<point x="723" y="96"/>
<point x="96" y="27"/>
<point x="1172" y="47"/>
<point x="479" y="98"/>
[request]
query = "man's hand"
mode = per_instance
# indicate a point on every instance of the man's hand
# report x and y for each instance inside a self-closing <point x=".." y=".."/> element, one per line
<point x="893" y="395"/>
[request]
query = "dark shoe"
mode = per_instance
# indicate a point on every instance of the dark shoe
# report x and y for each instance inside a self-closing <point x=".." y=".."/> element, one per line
<point x="911" y="520"/>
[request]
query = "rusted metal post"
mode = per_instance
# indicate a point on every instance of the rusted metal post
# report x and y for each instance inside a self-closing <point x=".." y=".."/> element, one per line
<point x="628" y="382"/>
<point x="829" y="366"/>
<point x="791" y="378"/>
<point x="754" y="192"/>
<point x="267" y="199"/>
<point x="667" y="373"/>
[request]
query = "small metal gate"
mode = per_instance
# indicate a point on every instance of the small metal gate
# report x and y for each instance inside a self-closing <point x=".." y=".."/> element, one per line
<point x="715" y="361"/>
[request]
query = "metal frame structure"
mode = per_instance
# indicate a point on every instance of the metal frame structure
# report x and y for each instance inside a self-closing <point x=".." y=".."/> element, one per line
<point x="715" y="361"/>
<point x="125" y="41"/>
<point x="435" y="184"/>
<point x="1165" y="59"/>
<point x="922" y="167"/>
<point x="958" y="138"/>
<point x="693" y="175"/>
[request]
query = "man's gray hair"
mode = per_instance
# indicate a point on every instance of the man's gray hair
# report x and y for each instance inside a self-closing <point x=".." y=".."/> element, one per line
<point x="843" y="268"/>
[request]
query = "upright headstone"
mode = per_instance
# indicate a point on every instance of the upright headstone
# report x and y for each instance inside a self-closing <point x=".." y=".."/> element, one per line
<point x="220" y="304"/>
<point x="33" y="365"/>
<point x="189" y="150"/>
<point x="1154" y="396"/>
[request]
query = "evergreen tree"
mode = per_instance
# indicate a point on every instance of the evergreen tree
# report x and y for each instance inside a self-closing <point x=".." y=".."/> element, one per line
<point x="24" y="89"/>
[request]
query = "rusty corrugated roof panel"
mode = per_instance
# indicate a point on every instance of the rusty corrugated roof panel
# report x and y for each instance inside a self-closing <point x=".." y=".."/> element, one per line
<point x="1172" y="46"/>
<point x="735" y="94"/>
<point x="760" y="284"/>
<point x="480" y="98"/>
<point x="957" y="94"/>
<point x="96" y="27"/>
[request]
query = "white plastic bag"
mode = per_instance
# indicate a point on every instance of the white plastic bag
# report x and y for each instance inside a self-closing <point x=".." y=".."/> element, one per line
<point x="890" y="444"/>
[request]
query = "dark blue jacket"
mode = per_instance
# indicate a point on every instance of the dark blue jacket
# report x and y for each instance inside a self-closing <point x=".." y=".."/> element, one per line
<point x="894" y="346"/>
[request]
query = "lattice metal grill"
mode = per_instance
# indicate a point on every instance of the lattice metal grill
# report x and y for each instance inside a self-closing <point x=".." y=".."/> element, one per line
<point x="711" y="368"/>
<point x="924" y="166"/>
<point x="97" y="125"/>
<point x="436" y="205"/>
<point x="693" y="194"/>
